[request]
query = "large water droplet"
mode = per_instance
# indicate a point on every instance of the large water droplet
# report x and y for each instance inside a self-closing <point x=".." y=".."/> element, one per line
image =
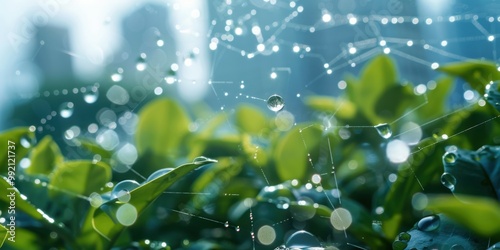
<point x="449" y="181"/>
<point x="158" y="173"/>
<point x="126" y="214"/>
<point x="429" y="223"/>
<point x="450" y="158"/>
<point x="66" y="109"/>
<point x="141" y="64"/>
<point x="302" y="239"/>
<point x="282" y="202"/>
<point x="91" y="97"/>
<point x="384" y="130"/>
<point x="122" y="190"/>
<point x="275" y="103"/>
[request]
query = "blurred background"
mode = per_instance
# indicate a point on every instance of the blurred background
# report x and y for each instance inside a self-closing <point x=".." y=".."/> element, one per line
<point x="90" y="65"/>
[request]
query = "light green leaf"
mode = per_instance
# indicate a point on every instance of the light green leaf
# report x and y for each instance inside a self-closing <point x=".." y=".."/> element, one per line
<point x="95" y="148"/>
<point x="250" y="120"/>
<point x="291" y="154"/>
<point x="477" y="73"/>
<point x="3" y="234"/>
<point x="45" y="157"/>
<point x="437" y="99"/>
<point x="163" y="124"/>
<point x="16" y="143"/>
<point x="343" y="109"/>
<point x="481" y="215"/>
<point x="79" y="178"/>
<point x="105" y="221"/>
<point x="21" y="204"/>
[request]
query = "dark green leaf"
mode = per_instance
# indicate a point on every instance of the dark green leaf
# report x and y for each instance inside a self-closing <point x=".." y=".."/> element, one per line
<point x="250" y="120"/>
<point x="163" y="124"/>
<point x="45" y="157"/>
<point x="79" y="178"/>
<point x="104" y="219"/>
<point x="15" y="142"/>
<point x="291" y="154"/>
<point x="477" y="73"/>
<point x="481" y="215"/>
<point x="394" y="101"/>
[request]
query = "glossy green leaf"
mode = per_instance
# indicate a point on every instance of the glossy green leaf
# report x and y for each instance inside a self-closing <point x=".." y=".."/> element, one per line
<point x="481" y="215"/>
<point x="250" y="120"/>
<point x="16" y="143"/>
<point x="377" y="76"/>
<point x="104" y="219"/>
<point x="477" y="73"/>
<point x="343" y="109"/>
<point x="162" y="126"/>
<point x="79" y="178"/>
<point x="45" y="157"/>
<point x="3" y="234"/>
<point x="95" y="148"/>
<point x="420" y="169"/>
<point x="291" y="154"/>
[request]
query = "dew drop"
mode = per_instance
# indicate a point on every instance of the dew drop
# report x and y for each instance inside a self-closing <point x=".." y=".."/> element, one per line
<point x="158" y="173"/>
<point x="26" y="141"/>
<point x="429" y="223"/>
<point x="384" y="130"/>
<point x="282" y="202"/>
<point x="449" y="181"/>
<point x="141" y="64"/>
<point x="275" y="103"/>
<point x="66" y="109"/>
<point x="449" y="158"/>
<point x="202" y="159"/>
<point x="226" y="224"/>
<point x="116" y="77"/>
<point x="91" y="97"/>
<point x="301" y="240"/>
<point x="122" y="190"/>
<point x="237" y="228"/>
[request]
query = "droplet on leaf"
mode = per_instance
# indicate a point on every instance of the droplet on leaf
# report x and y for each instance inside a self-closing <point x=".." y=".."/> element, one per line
<point x="123" y="188"/>
<point x="384" y="130"/>
<point x="449" y="181"/>
<point x="275" y="103"/>
<point x="429" y="223"/>
<point x="158" y="173"/>
<point x="450" y="158"/>
<point x="302" y="239"/>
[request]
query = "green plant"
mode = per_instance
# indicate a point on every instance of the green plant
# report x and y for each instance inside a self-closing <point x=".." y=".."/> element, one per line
<point x="330" y="177"/>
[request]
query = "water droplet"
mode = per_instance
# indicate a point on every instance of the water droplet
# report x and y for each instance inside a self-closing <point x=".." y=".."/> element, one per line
<point x="275" y="103"/>
<point x="202" y="159"/>
<point x="158" y="173"/>
<point x="282" y="202"/>
<point x="141" y="64"/>
<point x="384" y="130"/>
<point x="237" y="228"/>
<point x="449" y="181"/>
<point x="449" y="158"/>
<point x="496" y="246"/>
<point x="399" y="245"/>
<point x="122" y="190"/>
<point x="126" y="214"/>
<point x="26" y="141"/>
<point x="66" y="109"/>
<point x="91" y="97"/>
<point x="302" y="239"/>
<point x="429" y="223"/>
<point x="226" y="224"/>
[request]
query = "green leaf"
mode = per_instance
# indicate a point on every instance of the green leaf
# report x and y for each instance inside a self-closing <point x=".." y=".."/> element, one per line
<point x="79" y="178"/>
<point x="376" y="77"/>
<point x="394" y="101"/>
<point x="477" y="73"/>
<point x="250" y="120"/>
<point x="21" y="203"/>
<point x="17" y="142"/>
<point x="95" y="148"/>
<point x="343" y="109"/>
<point x="3" y="235"/>
<point x="162" y="126"/>
<point x="45" y="157"/>
<point x="481" y="215"/>
<point x="473" y="173"/>
<point x="291" y="154"/>
<point x="105" y="221"/>
<point x="437" y="99"/>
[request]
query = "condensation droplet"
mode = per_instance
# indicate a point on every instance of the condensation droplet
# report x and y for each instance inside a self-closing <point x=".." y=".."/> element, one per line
<point x="384" y="130"/>
<point x="449" y="181"/>
<point x="429" y="223"/>
<point x="158" y="173"/>
<point x="237" y="228"/>
<point x="122" y="190"/>
<point x="66" y="109"/>
<point x="302" y="240"/>
<point x="449" y="158"/>
<point x="275" y="103"/>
